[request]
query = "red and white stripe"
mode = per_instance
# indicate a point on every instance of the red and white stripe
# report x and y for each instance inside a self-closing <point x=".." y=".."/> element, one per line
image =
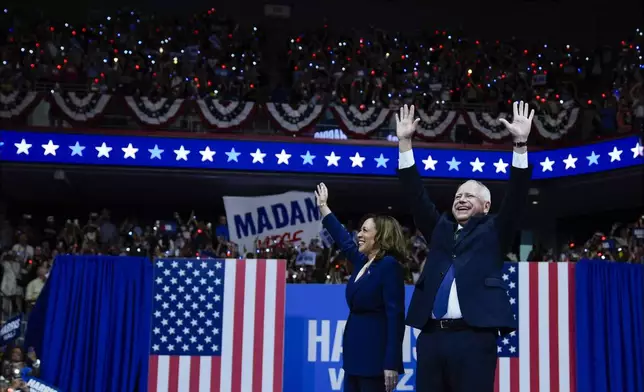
<point x="252" y="351"/>
<point x="546" y="361"/>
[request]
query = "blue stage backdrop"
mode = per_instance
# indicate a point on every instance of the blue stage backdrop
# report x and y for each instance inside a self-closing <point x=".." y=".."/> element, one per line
<point x="302" y="156"/>
<point x="315" y="318"/>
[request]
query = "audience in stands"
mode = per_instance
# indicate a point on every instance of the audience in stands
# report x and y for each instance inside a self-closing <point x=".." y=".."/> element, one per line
<point x="24" y="272"/>
<point x="625" y="243"/>
<point x="210" y="55"/>
<point x="133" y="54"/>
<point x="15" y="366"/>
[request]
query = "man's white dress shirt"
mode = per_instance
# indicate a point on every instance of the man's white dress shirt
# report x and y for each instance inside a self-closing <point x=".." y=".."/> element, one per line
<point x="405" y="160"/>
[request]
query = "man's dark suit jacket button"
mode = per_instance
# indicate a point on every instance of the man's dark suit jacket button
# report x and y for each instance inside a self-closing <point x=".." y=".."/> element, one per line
<point x="453" y="256"/>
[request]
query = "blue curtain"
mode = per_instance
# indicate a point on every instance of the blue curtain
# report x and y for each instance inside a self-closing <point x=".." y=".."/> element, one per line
<point x="91" y="325"/>
<point x="610" y="327"/>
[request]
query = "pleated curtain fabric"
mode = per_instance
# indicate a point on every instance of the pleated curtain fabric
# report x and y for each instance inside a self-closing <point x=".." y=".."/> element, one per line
<point x="91" y="325"/>
<point x="610" y="326"/>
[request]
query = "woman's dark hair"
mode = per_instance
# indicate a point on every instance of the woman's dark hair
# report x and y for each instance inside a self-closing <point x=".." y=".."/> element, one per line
<point x="389" y="238"/>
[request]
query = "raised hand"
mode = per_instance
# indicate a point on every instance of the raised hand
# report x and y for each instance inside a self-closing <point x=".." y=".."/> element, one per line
<point x="31" y="354"/>
<point x="321" y="195"/>
<point x="405" y="123"/>
<point x="521" y="122"/>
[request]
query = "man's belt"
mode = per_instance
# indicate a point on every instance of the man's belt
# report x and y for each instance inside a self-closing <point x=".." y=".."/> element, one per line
<point x="446" y="324"/>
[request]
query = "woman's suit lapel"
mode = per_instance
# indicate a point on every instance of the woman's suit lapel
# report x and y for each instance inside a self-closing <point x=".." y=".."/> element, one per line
<point x="355" y="286"/>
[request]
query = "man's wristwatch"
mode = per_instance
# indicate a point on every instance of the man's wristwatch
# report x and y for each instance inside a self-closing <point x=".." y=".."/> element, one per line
<point x="519" y="144"/>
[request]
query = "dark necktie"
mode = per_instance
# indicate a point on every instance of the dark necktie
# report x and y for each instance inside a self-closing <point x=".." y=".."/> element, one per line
<point x="442" y="295"/>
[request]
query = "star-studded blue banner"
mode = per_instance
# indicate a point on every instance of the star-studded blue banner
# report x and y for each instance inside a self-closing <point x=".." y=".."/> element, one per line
<point x="302" y="157"/>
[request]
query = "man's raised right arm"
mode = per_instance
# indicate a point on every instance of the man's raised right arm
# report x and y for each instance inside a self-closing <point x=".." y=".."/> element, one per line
<point x="422" y="209"/>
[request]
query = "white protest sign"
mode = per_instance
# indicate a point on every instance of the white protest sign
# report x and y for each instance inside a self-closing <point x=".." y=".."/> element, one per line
<point x="306" y="258"/>
<point x="36" y="385"/>
<point x="289" y="217"/>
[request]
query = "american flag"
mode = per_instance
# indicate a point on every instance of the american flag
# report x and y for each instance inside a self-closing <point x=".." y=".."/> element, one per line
<point x="217" y="325"/>
<point x="540" y="356"/>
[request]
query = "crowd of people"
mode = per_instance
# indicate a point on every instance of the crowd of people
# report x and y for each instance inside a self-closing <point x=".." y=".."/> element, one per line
<point x="16" y="367"/>
<point x="30" y="249"/>
<point x="208" y="54"/>
<point x="133" y="54"/>
<point x="624" y="243"/>
<point x="378" y="67"/>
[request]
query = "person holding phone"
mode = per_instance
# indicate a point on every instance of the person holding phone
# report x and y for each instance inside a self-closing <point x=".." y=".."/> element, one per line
<point x="375" y="294"/>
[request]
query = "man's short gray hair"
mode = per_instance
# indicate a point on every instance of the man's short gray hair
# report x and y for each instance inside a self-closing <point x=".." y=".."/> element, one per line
<point x="483" y="193"/>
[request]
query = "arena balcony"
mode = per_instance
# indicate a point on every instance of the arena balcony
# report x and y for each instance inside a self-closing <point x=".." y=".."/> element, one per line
<point x="75" y="107"/>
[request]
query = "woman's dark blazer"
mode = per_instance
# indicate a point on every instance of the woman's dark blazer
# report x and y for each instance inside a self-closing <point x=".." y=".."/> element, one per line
<point x="375" y="329"/>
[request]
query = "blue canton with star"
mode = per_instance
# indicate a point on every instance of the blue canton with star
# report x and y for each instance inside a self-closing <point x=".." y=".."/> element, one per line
<point x="508" y="345"/>
<point x="188" y="307"/>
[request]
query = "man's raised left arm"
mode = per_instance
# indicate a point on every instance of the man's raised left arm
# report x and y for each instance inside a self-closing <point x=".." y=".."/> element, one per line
<point x="520" y="174"/>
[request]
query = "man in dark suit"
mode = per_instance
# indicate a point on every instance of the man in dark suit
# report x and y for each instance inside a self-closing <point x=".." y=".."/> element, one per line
<point x="460" y="302"/>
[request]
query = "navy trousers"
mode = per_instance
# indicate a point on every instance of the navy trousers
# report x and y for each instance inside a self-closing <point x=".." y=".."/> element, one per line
<point x="364" y="384"/>
<point x="456" y="361"/>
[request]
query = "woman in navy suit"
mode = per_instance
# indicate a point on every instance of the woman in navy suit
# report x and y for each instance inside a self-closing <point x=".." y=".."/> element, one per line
<point x="375" y="294"/>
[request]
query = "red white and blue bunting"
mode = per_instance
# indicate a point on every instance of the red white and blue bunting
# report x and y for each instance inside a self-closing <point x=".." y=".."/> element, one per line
<point x="436" y="123"/>
<point x="297" y="119"/>
<point x="154" y="113"/>
<point x="489" y="126"/>
<point x="225" y="114"/>
<point x="82" y="108"/>
<point x="16" y="103"/>
<point x="556" y="127"/>
<point x="360" y="122"/>
<point x="548" y="127"/>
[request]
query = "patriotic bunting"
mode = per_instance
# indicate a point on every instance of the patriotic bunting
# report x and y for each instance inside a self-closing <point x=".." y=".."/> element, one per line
<point x="81" y="108"/>
<point x="162" y="111"/>
<point x="224" y="114"/>
<point x="16" y="103"/>
<point x="357" y="121"/>
<point x="435" y="123"/>
<point x="360" y="122"/>
<point x="488" y="125"/>
<point x="292" y="119"/>
<point x="556" y="127"/>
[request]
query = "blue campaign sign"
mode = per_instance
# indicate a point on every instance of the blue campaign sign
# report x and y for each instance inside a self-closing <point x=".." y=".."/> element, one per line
<point x="37" y="385"/>
<point x="10" y="330"/>
<point x="306" y="157"/>
<point x="315" y="319"/>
